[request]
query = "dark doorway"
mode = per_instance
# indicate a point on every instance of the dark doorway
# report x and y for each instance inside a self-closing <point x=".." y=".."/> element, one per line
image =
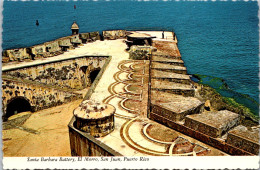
<point x="84" y="69"/>
<point x="17" y="105"/>
<point x="93" y="75"/>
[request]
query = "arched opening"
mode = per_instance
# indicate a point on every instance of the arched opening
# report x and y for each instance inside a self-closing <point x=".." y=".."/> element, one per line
<point x="17" y="105"/>
<point x="93" y="75"/>
<point x="84" y="69"/>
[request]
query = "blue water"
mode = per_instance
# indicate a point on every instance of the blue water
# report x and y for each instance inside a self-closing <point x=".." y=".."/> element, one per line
<point x="219" y="39"/>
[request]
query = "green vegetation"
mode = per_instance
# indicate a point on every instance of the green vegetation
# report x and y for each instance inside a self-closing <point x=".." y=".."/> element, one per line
<point x="222" y="97"/>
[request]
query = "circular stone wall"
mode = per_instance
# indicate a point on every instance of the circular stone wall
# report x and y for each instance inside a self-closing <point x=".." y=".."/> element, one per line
<point x="94" y="118"/>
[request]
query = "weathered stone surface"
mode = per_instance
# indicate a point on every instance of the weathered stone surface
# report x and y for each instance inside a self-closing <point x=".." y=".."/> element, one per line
<point x="174" y="107"/>
<point x="39" y="97"/>
<point x="94" y="118"/>
<point x="174" y="77"/>
<point x="214" y="123"/>
<point x="94" y="36"/>
<point x="169" y="67"/>
<point x="83" y="144"/>
<point x="16" y="54"/>
<point x="244" y="138"/>
<point x="167" y="60"/>
<point x="114" y="34"/>
<point x="140" y="52"/>
<point x="48" y="49"/>
<point x="172" y="87"/>
<point x="70" y="74"/>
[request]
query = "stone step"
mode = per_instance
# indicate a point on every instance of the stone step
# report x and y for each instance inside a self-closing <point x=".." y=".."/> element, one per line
<point x="159" y="59"/>
<point x="174" y="107"/>
<point x="172" y="87"/>
<point x="245" y="138"/>
<point x="169" y="76"/>
<point x="168" y="56"/>
<point x="169" y="68"/>
<point x="213" y="123"/>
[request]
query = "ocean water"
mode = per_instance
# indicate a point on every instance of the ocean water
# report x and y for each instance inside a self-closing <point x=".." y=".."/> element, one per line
<point x="216" y="39"/>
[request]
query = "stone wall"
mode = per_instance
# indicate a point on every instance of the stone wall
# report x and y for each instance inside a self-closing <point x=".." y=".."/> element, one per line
<point x="52" y="46"/>
<point x="68" y="74"/>
<point x="140" y="52"/>
<point x="83" y="144"/>
<point x="15" y="55"/>
<point x="47" y="49"/>
<point x="39" y="97"/>
<point x="114" y="34"/>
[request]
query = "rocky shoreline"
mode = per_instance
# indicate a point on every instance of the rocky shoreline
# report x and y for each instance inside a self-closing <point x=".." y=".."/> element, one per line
<point x="219" y="102"/>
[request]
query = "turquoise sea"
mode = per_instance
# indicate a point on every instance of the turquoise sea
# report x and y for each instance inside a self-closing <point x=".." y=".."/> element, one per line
<point x="219" y="40"/>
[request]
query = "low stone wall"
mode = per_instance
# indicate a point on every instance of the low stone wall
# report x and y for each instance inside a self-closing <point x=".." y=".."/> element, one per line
<point x="69" y="74"/>
<point x="83" y="144"/>
<point x="114" y="34"/>
<point x="94" y="84"/>
<point x="39" y="96"/>
<point x="15" y="55"/>
<point x="48" y="49"/>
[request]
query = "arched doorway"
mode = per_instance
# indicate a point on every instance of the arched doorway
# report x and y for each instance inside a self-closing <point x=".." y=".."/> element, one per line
<point x="17" y="105"/>
<point x="93" y="75"/>
<point x="84" y="69"/>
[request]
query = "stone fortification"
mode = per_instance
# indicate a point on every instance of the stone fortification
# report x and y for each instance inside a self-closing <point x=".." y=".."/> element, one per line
<point x="95" y="118"/>
<point x="38" y="96"/>
<point x="49" y="49"/>
<point x="114" y="34"/>
<point x="69" y="74"/>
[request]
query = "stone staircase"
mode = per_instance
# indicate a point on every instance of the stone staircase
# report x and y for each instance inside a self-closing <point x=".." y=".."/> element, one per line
<point x="175" y="102"/>
<point x="172" y="92"/>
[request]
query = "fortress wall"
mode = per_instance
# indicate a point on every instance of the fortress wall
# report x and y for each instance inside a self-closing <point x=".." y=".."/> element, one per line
<point x="84" y="35"/>
<point x="52" y="46"/>
<point x="68" y="74"/>
<point x="94" y="36"/>
<point x="39" y="51"/>
<point x="64" y="41"/>
<point x="16" y="54"/>
<point x="114" y="34"/>
<point x="39" y="97"/>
